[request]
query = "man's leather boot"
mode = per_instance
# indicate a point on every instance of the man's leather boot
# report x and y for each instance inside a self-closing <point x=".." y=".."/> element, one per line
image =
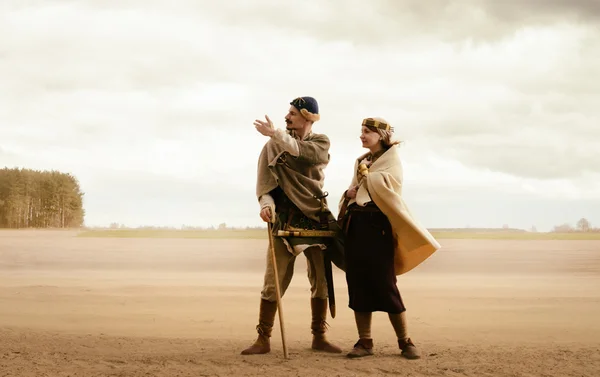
<point x="266" y="319"/>
<point x="319" y="326"/>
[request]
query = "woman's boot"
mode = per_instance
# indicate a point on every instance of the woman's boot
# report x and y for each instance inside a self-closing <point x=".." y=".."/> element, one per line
<point x="408" y="348"/>
<point x="364" y="346"/>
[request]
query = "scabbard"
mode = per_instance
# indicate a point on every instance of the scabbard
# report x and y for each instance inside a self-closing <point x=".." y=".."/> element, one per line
<point x="329" y="279"/>
<point x="307" y="233"/>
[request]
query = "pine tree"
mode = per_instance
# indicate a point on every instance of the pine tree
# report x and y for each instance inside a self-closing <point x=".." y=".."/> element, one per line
<point x="40" y="199"/>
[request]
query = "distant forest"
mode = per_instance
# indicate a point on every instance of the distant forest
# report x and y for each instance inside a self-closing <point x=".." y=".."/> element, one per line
<point x="39" y="199"/>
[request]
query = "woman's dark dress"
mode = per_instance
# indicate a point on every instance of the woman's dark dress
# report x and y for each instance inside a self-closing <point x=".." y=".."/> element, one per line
<point x="370" y="270"/>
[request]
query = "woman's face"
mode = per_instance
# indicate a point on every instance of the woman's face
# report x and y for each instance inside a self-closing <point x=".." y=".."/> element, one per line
<point x="370" y="138"/>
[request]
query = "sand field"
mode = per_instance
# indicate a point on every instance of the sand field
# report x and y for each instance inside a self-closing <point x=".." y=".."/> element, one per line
<point x="74" y="306"/>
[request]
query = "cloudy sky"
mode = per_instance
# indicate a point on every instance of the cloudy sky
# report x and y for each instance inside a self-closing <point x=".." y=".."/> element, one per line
<point x="150" y="103"/>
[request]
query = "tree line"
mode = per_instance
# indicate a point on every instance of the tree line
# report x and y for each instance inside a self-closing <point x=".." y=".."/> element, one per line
<point x="582" y="226"/>
<point x="40" y="199"/>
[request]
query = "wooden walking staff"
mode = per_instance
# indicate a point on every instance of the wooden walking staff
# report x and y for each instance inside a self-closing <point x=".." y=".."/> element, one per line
<point x="277" y="288"/>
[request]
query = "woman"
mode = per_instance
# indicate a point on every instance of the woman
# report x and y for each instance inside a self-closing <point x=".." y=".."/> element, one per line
<point x="382" y="238"/>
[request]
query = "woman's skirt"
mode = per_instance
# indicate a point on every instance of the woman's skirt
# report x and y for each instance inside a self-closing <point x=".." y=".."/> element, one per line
<point x="370" y="273"/>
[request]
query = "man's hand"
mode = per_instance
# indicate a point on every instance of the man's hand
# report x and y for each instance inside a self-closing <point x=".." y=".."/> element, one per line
<point x="351" y="193"/>
<point x="265" y="214"/>
<point x="265" y="128"/>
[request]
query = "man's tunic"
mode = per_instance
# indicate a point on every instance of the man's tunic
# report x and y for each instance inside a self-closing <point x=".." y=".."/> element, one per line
<point x="291" y="179"/>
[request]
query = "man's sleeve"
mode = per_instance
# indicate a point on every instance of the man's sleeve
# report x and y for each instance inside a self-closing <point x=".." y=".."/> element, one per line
<point x="314" y="151"/>
<point x="265" y="201"/>
<point x="287" y="142"/>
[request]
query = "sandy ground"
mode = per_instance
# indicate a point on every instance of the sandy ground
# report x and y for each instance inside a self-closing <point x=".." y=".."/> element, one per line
<point x="183" y="307"/>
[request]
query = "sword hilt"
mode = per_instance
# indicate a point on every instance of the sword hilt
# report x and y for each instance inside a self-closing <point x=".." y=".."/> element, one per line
<point x="323" y="214"/>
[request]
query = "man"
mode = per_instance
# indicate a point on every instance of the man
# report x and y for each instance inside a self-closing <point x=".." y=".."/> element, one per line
<point x="289" y="189"/>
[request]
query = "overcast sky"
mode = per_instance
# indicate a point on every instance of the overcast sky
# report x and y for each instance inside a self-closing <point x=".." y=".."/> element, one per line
<point x="150" y="103"/>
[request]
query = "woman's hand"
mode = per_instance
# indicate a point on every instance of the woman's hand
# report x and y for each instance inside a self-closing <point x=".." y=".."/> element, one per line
<point x="351" y="193"/>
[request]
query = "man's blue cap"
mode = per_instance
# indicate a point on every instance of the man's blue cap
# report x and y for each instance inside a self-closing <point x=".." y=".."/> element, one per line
<point x="308" y="107"/>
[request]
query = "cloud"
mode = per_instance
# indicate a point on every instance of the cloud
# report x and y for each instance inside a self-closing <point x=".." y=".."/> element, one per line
<point x="136" y="198"/>
<point x="532" y="152"/>
<point x="531" y="117"/>
<point x="120" y="49"/>
<point x="391" y="22"/>
<point x="497" y="99"/>
<point x="7" y="157"/>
